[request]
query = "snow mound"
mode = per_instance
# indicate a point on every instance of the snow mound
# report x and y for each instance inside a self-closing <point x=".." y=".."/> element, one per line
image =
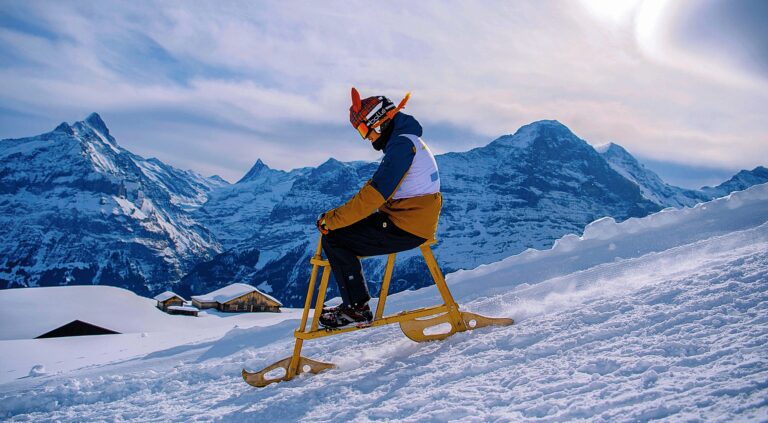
<point x="37" y="370"/>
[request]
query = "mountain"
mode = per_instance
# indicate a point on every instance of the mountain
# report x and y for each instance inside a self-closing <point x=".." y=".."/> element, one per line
<point x="526" y="190"/>
<point x="238" y="211"/>
<point x="79" y="209"/>
<point x="275" y="225"/>
<point x="741" y="181"/>
<point x="665" y="195"/>
<point x="520" y="191"/>
<point x="82" y="210"/>
<point x="650" y="184"/>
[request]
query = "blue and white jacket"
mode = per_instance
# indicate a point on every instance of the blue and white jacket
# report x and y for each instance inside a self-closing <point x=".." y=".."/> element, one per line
<point x="406" y="186"/>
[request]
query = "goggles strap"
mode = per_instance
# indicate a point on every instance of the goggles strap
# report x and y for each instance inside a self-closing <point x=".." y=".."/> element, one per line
<point x="391" y="114"/>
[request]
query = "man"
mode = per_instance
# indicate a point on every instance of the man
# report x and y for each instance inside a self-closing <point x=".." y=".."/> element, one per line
<point x="394" y="211"/>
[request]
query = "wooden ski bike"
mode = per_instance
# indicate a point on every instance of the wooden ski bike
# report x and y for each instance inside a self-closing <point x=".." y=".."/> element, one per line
<point x="415" y="324"/>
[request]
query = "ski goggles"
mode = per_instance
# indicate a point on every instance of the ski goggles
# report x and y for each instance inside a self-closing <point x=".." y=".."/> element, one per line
<point x="365" y="131"/>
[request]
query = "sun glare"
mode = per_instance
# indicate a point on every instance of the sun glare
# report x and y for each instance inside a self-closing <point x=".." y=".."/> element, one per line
<point x="611" y="11"/>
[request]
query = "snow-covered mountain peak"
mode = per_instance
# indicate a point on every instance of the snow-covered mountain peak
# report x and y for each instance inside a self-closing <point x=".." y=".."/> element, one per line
<point x="108" y="216"/>
<point x="256" y="172"/>
<point x="92" y="131"/>
<point x="219" y="180"/>
<point x="651" y="185"/>
<point x="602" y="148"/>
<point x="547" y="131"/>
<point x="613" y="149"/>
<point x="740" y="181"/>
<point x="547" y="123"/>
<point x="64" y="128"/>
<point x="753" y="175"/>
<point x="94" y="121"/>
<point x="331" y="164"/>
<point x="547" y="127"/>
<point x="615" y="153"/>
<point x="332" y="170"/>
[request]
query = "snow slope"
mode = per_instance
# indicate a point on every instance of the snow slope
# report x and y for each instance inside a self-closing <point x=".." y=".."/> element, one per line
<point x="660" y="317"/>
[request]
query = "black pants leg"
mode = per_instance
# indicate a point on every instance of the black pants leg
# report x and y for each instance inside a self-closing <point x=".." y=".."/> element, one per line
<point x="372" y="236"/>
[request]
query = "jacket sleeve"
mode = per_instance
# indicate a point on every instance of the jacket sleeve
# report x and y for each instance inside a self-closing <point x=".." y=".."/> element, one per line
<point x="391" y="172"/>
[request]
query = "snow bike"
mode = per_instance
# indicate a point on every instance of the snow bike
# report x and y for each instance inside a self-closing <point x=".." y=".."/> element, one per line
<point x="415" y="324"/>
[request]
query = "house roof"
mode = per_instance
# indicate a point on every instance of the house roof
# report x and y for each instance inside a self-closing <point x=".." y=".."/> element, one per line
<point x="230" y="292"/>
<point x="167" y="295"/>
<point x="77" y="328"/>
<point x="183" y="308"/>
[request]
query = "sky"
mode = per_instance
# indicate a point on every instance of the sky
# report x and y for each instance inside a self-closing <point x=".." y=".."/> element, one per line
<point x="214" y="86"/>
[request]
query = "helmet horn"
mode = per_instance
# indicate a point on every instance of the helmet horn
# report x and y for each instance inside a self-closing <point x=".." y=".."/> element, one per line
<point x="356" y="104"/>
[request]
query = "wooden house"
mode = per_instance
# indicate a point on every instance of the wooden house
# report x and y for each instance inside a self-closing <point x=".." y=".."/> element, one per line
<point x="168" y="299"/>
<point x="237" y="297"/>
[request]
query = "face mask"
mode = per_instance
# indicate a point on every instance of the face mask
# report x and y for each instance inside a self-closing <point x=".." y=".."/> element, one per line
<point x="381" y="140"/>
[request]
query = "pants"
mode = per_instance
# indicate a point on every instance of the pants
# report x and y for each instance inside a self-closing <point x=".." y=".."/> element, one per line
<point x="375" y="235"/>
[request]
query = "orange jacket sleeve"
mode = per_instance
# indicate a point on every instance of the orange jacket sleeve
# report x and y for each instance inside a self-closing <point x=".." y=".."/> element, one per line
<point x="360" y="206"/>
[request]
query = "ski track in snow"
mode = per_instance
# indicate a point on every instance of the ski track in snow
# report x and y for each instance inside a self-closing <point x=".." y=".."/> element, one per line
<point x="679" y="334"/>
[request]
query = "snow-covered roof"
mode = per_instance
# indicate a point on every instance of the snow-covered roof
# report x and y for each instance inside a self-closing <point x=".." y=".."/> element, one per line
<point x="167" y="295"/>
<point x="183" y="308"/>
<point x="230" y="292"/>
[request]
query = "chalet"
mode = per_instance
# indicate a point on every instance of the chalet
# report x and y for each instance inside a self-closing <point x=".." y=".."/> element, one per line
<point x="77" y="328"/>
<point x="169" y="299"/>
<point x="237" y="297"/>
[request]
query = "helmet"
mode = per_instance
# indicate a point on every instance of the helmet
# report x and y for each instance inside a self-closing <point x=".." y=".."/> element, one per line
<point x="368" y="116"/>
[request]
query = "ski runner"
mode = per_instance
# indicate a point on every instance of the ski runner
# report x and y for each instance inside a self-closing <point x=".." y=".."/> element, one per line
<point x="396" y="210"/>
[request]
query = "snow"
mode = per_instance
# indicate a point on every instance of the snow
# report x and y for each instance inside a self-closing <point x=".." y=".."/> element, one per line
<point x="664" y="317"/>
<point x="38" y="310"/>
<point x="144" y="329"/>
<point x="230" y="292"/>
<point x="37" y="370"/>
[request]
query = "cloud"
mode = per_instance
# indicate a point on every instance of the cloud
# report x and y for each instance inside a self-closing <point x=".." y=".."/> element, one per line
<point x="216" y="85"/>
<point x="735" y="32"/>
<point x="719" y="39"/>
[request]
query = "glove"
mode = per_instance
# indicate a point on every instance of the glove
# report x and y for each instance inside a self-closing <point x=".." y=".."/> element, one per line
<point x="321" y="225"/>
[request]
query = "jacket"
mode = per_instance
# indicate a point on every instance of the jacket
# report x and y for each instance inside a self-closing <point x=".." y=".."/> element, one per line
<point x="406" y="186"/>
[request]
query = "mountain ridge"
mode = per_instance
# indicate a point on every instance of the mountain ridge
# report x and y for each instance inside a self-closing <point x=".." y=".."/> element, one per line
<point x="175" y="229"/>
<point x="82" y="210"/>
<point x="481" y="184"/>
